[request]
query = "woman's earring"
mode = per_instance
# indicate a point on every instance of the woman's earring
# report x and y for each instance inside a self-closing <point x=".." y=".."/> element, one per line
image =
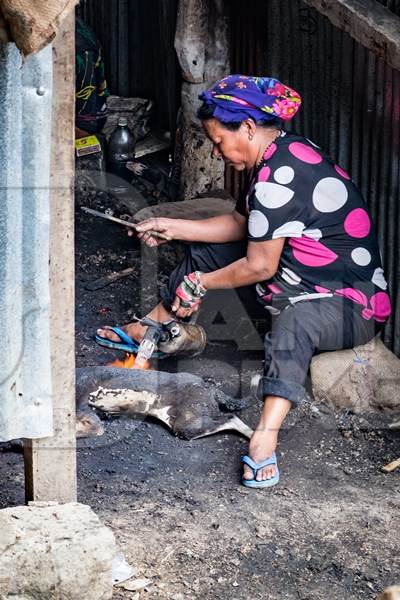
<point x="250" y="136"/>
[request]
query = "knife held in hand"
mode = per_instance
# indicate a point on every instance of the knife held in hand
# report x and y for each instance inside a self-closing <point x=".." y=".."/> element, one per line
<point x="97" y="213"/>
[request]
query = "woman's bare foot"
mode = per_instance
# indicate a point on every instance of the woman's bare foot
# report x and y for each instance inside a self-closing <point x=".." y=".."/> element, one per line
<point x="265" y="438"/>
<point x="136" y="330"/>
<point x="262" y="445"/>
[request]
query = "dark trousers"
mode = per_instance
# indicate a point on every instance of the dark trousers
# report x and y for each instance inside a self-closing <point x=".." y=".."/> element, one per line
<point x="297" y="333"/>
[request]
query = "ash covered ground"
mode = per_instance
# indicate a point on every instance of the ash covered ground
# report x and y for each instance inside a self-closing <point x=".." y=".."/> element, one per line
<point x="328" y="531"/>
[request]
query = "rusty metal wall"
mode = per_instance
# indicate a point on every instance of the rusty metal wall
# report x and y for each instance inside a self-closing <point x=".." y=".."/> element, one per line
<point x="138" y="45"/>
<point x="351" y="106"/>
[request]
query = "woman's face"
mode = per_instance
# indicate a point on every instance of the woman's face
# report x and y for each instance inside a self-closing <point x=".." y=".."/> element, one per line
<point x="231" y="146"/>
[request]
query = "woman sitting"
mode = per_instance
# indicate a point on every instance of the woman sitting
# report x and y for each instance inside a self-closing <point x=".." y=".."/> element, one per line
<point x="303" y="235"/>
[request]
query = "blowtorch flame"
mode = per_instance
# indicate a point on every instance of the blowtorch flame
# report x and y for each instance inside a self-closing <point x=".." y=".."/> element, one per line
<point x="129" y="362"/>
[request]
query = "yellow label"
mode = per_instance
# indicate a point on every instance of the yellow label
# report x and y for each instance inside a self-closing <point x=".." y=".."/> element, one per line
<point x="86" y="142"/>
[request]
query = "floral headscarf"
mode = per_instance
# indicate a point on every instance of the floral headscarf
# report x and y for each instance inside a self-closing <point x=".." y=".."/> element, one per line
<point x="237" y="97"/>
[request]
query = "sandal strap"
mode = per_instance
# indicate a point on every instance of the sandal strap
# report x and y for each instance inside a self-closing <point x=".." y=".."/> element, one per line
<point x="257" y="466"/>
<point x="124" y="337"/>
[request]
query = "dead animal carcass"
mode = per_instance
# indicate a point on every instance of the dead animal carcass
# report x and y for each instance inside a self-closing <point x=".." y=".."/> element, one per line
<point x="180" y="400"/>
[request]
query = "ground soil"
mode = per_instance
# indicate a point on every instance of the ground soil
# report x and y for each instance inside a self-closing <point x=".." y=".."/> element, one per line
<point x="328" y="531"/>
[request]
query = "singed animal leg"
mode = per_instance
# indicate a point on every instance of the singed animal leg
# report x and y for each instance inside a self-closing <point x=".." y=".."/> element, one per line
<point x="234" y="424"/>
<point x="162" y="414"/>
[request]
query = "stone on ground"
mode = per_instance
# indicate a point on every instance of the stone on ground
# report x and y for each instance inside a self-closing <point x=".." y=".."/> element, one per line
<point x="53" y="551"/>
<point x="363" y="379"/>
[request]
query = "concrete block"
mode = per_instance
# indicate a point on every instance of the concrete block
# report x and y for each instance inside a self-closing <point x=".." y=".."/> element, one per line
<point x="54" y="551"/>
<point x="363" y="379"/>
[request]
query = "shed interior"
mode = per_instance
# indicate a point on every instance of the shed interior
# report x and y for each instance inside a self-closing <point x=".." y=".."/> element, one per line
<point x="176" y="506"/>
<point x="350" y="96"/>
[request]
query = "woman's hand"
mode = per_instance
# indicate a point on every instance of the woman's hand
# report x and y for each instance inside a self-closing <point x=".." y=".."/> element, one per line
<point x="188" y="295"/>
<point x="181" y="311"/>
<point x="167" y="227"/>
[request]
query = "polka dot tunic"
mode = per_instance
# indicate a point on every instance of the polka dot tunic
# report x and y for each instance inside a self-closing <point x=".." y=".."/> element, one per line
<point x="299" y="194"/>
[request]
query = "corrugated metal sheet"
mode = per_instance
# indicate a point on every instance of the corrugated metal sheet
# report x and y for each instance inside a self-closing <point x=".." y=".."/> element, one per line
<point x="351" y="106"/>
<point x="138" y="44"/>
<point x="392" y="5"/>
<point x="25" y="127"/>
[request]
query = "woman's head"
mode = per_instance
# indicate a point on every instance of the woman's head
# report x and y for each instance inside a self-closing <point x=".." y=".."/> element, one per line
<point x="239" y="109"/>
<point x="237" y="97"/>
<point x="238" y="144"/>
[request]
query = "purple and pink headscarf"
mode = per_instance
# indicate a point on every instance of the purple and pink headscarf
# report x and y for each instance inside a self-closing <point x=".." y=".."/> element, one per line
<point x="237" y="97"/>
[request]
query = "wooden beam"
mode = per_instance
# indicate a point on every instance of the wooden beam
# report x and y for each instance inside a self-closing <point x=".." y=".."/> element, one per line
<point x="50" y="463"/>
<point x="368" y="22"/>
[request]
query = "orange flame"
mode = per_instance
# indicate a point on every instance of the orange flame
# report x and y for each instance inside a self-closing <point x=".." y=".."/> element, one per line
<point x="129" y="362"/>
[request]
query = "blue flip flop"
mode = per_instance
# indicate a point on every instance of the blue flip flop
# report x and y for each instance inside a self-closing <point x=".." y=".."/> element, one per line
<point x="128" y="345"/>
<point x="253" y="483"/>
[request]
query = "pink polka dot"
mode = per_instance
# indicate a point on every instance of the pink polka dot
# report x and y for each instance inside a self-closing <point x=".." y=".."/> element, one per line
<point x="381" y="306"/>
<point x="321" y="290"/>
<point x="270" y="151"/>
<point x="305" y="153"/>
<point x="311" y="253"/>
<point x="341" y="172"/>
<point x="354" y="295"/>
<point x="274" y="288"/>
<point x="264" y="174"/>
<point x="357" y="223"/>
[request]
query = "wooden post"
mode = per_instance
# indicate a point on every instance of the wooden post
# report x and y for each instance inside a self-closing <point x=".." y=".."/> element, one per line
<point x="50" y="463"/>
<point x="202" y="45"/>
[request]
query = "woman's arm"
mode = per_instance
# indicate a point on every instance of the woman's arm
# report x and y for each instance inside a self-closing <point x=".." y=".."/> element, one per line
<point x="260" y="263"/>
<point x="224" y="228"/>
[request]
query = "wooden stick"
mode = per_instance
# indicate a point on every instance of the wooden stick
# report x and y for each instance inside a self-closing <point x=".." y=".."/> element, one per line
<point x="391" y="466"/>
<point x="104" y="281"/>
<point x="97" y="213"/>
